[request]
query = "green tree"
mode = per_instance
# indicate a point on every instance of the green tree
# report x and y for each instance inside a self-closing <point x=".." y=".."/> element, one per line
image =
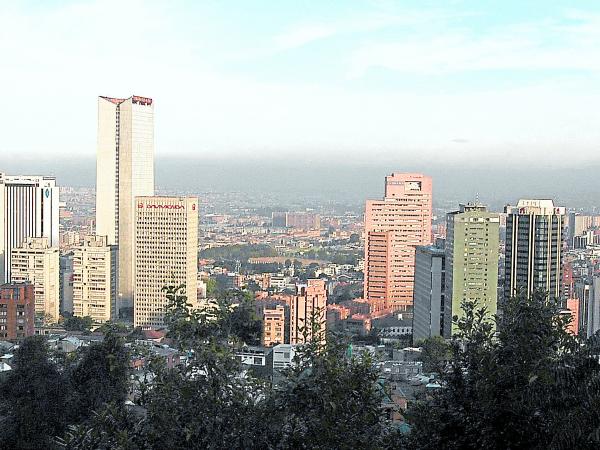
<point x="33" y="399"/>
<point x="209" y="402"/>
<point x="75" y="323"/>
<point x="435" y="354"/>
<point x="529" y="385"/>
<point x="329" y="400"/>
<point x="99" y="377"/>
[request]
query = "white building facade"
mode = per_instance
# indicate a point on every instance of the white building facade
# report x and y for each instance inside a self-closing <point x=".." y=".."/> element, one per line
<point x="35" y="261"/>
<point x="124" y="170"/>
<point x="166" y="247"/>
<point x="95" y="279"/>
<point x="28" y="208"/>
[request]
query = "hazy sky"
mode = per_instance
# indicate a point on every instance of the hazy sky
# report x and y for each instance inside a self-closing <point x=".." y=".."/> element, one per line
<point x="448" y="80"/>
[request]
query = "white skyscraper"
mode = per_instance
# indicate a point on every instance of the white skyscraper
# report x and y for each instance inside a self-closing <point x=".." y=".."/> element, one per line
<point x="28" y="208"/>
<point x="166" y="252"/>
<point x="124" y="170"/>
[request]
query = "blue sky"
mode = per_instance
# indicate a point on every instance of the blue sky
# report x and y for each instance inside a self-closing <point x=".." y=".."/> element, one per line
<point x="456" y="81"/>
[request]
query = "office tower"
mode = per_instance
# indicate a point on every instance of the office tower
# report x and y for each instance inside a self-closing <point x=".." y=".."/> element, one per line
<point x="95" y="279"/>
<point x="66" y="282"/>
<point x="38" y="263"/>
<point x="394" y="226"/>
<point x="472" y="254"/>
<point x="17" y="310"/>
<point x="28" y="208"/>
<point x="273" y="321"/>
<point x="307" y="305"/>
<point x="535" y="233"/>
<point x="166" y="253"/>
<point x="429" y="296"/>
<point x="124" y="170"/>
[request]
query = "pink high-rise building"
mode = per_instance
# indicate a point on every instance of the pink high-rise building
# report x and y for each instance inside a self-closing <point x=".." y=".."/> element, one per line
<point x="394" y="226"/>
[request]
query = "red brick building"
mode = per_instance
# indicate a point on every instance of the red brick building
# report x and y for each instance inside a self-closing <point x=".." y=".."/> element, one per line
<point x="17" y="311"/>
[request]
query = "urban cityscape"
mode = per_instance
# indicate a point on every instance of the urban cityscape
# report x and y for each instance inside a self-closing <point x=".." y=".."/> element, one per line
<point x="280" y="312"/>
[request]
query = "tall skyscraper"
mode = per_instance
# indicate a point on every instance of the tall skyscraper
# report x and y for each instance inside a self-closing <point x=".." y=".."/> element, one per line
<point x="429" y="295"/>
<point x="28" y="208"/>
<point x="535" y="234"/>
<point x="38" y="263"/>
<point x="394" y="226"/>
<point x="310" y="302"/>
<point x="472" y="241"/>
<point x="166" y="252"/>
<point x="124" y="170"/>
<point x="95" y="279"/>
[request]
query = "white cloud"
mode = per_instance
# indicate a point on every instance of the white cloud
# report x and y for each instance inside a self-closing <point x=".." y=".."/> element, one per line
<point x="515" y="47"/>
<point x="56" y="63"/>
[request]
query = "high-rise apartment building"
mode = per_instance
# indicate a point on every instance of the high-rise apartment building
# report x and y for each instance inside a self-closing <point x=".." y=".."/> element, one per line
<point x="38" y="263"/>
<point x="273" y="322"/>
<point x="394" y="226"/>
<point x="308" y="305"/>
<point x="17" y="310"/>
<point x="95" y="279"/>
<point x="28" y="208"/>
<point x="472" y="255"/>
<point x="124" y="170"/>
<point x="535" y="234"/>
<point x="166" y="252"/>
<point x="429" y="295"/>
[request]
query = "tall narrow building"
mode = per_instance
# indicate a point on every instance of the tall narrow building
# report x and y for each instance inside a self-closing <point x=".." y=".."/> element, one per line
<point x="124" y="170"/>
<point x="166" y="253"/>
<point x="28" y="208"/>
<point x="95" y="279"/>
<point x="394" y="226"/>
<point x="38" y="263"/>
<point x="535" y="234"/>
<point x="429" y="295"/>
<point x="472" y="252"/>
<point x="308" y="305"/>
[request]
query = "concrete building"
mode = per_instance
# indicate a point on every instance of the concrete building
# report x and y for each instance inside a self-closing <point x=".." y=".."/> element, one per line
<point x="17" y="310"/>
<point x="300" y="220"/>
<point x="310" y="302"/>
<point x="535" y="234"/>
<point x="579" y="225"/>
<point x="587" y="291"/>
<point x="95" y="279"/>
<point x="124" y="170"/>
<point x="429" y="293"/>
<point x="472" y="255"/>
<point x="28" y="208"/>
<point x="394" y="226"/>
<point x="273" y="321"/>
<point x="283" y="356"/>
<point x="66" y="282"/>
<point x="166" y="252"/>
<point x="38" y="263"/>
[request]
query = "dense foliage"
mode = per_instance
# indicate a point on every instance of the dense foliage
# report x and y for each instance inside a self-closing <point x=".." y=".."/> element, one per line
<point x="531" y="384"/>
<point x="523" y="382"/>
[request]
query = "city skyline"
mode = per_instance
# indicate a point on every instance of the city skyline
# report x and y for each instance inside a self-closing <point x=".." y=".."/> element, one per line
<point x="463" y="82"/>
